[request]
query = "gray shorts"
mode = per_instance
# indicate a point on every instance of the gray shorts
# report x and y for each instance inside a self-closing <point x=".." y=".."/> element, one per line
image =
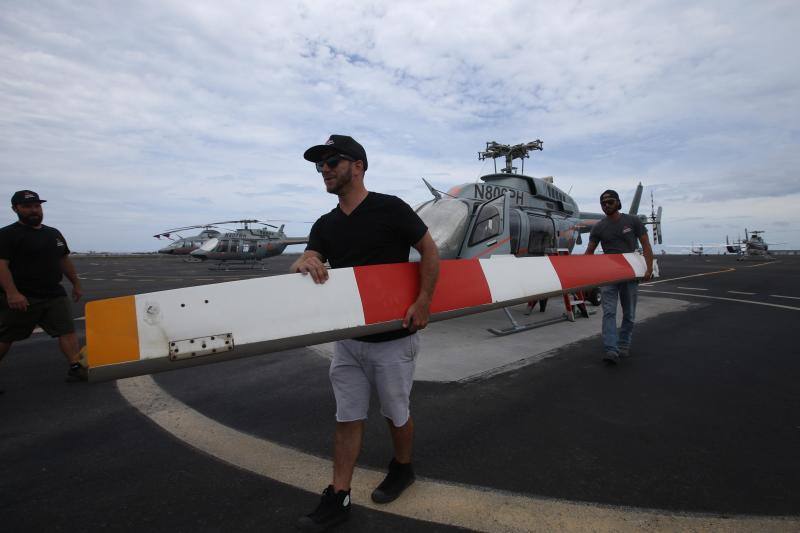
<point x="388" y="366"/>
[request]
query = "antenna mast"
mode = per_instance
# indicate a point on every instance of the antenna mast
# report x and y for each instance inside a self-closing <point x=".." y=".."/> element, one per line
<point x="495" y="150"/>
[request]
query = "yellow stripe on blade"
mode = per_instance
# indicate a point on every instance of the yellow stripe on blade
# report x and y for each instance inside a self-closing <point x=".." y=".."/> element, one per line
<point x="111" y="332"/>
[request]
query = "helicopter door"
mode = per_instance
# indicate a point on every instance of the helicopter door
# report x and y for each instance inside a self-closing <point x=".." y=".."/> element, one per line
<point x="488" y="232"/>
<point x="541" y="239"/>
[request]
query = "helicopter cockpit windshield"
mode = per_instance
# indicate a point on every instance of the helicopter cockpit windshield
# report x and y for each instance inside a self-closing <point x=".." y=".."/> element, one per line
<point x="447" y="221"/>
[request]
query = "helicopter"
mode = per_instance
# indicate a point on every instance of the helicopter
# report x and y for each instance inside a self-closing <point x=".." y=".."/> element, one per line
<point x="753" y="247"/>
<point x="246" y="244"/>
<point x="511" y="213"/>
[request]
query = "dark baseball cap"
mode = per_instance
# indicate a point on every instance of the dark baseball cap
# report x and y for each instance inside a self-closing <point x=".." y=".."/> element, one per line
<point x="610" y="192"/>
<point x="26" y="197"/>
<point x="342" y="144"/>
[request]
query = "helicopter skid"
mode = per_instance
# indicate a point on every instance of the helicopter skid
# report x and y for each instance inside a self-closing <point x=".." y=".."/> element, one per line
<point x="227" y="267"/>
<point x="518" y="328"/>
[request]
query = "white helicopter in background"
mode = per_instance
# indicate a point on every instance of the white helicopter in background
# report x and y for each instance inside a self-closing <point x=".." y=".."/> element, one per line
<point x="754" y="247"/>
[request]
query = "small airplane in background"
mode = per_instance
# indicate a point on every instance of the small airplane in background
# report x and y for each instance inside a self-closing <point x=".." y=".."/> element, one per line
<point x="697" y="249"/>
<point x="754" y="247"/>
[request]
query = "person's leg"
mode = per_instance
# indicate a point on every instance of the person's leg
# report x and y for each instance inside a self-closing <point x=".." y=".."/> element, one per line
<point x="627" y="297"/>
<point x="402" y="439"/>
<point x="68" y="344"/>
<point x="346" y="447"/>
<point x="609" y="303"/>
<point x="4" y="346"/>
<point x="56" y="320"/>
<point x="352" y="389"/>
<point x="393" y="364"/>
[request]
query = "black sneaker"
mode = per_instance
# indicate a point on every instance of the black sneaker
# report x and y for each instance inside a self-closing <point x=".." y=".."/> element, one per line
<point x="75" y="373"/>
<point x="612" y="358"/>
<point x="400" y="477"/>
<point x="333" y="509"/>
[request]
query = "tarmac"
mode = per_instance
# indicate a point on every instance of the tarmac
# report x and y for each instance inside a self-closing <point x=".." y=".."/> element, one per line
<point x="697" y="431"/>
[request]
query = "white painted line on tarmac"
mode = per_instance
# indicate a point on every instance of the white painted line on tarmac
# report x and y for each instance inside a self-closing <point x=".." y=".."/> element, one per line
<point x="687" y="277"/>
<point x="692" y="289"/>
<point x="789" y="297"/>
<point x="724" y="299"/>
<point x="740" y="292"/>
<point x="472" y="507"/>
<point x="761" y="264"/>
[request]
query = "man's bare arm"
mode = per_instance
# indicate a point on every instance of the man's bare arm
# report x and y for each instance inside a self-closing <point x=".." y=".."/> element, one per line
<point x="68" y="268"/>
<point x="418" y="314"/>
<point x="311" y="262"/>
<point x="16" y="300"/>
<point x="590" y="248"/>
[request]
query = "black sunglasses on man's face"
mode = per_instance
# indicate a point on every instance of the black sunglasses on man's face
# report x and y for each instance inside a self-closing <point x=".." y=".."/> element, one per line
<point x="608" y="201"/>
<point x="332" y="161"/>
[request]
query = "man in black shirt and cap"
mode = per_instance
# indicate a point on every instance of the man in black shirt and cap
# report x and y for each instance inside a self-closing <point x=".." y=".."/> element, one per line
<point x="618" y="233"/>
<point x="367" y="228"/>
<point x="33" y="259"/>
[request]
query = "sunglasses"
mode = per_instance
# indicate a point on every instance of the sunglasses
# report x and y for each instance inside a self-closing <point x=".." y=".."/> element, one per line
<point x="332" y="161"/>
<point x="608" y="201"/>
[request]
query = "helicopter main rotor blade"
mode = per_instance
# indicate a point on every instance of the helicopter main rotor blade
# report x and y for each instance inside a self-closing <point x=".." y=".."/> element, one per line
<point x="157" y="331"/>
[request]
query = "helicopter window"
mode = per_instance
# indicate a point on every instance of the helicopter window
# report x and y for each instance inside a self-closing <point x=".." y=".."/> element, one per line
<point x="540" y="240"/>
<point x="487" y="226"/>
<point x="447" y="220"/>
<point x="514" y="224"/>
<point x="223" y="245"/>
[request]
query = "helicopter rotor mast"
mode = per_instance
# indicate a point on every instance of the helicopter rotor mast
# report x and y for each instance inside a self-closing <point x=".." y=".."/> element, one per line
<point x="495" y="150"/>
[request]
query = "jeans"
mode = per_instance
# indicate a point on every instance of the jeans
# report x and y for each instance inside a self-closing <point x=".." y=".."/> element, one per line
<point x="626" y="293"/>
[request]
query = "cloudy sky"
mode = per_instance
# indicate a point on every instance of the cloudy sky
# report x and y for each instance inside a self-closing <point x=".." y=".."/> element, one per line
<point x="134" y="117"/>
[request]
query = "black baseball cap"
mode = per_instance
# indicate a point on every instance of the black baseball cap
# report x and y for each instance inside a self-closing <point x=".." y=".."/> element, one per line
<point x="610" y="192"/>
<point x="342" y="144"/>
<point x="26" y="197"/>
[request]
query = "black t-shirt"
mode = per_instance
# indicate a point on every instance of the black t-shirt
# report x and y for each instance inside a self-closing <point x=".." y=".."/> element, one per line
<point x="34" y="259"/>
<point x="618" y="236"/>
<point x="380" y="230"/>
